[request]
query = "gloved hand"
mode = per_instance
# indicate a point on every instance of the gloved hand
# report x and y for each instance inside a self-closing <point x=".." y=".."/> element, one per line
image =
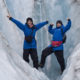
<point x="9" y="16"/>
<point x="68" y="19"/>
<point x="47" y="21"/>
<point x="51" y="24"/>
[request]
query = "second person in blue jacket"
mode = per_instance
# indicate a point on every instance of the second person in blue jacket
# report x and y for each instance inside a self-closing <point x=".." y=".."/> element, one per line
<point x="30" y="45"/>
<point x="56" y="43"/>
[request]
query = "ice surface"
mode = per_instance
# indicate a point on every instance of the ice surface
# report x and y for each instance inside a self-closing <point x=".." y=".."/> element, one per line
<point x="72" y="71"/>
<point x="11" y="45"/>
<point x="13" y="67"/>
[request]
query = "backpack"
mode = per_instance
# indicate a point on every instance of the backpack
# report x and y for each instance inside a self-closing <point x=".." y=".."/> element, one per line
<point x="64" y="36"/>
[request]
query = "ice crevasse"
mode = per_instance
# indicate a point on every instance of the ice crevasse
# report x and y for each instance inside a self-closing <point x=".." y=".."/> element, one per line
<point x="13" y="67"/>
<point x="72" y="71"/>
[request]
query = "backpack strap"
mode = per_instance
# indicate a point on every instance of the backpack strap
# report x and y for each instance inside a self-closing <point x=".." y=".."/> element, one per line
<point x="62" y="31"/>
<point x="64" y="35"/>
<point x="32" y="31"/>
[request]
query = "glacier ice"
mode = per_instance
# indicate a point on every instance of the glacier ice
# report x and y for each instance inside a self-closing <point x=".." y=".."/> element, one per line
<point x="72" y="71"/>
<point x="13" y="67"/>
<point x="12" y="42"/>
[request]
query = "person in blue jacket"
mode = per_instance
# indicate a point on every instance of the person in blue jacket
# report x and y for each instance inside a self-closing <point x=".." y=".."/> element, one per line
<point x="56" y="44"/>
<point x="30" y="45"/>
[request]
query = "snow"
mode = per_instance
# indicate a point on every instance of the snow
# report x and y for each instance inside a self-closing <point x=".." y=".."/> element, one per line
<point x="13" y="67"/>
<point x="11" y="38"/>
<point x="72" y="71"/>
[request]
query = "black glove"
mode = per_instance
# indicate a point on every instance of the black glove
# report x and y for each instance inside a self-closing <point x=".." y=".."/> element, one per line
<point x="10" y="18"/>
<point x="47" y="21"/>
<point x="68" y="19"/>
<point x="51" y="25"/>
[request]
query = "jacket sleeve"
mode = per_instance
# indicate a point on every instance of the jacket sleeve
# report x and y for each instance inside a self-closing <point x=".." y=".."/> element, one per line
<point x="19" y="24"/>
<point x="67" y="27"/>
<point x="40" y="25"/>
<point x="51" y="30"/>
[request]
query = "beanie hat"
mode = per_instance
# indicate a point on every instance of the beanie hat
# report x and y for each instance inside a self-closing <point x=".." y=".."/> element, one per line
<point x="29" y="19"/>
<point x="59" y="21"/>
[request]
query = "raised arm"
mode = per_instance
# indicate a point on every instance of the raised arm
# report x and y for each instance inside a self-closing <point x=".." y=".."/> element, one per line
<point x="40" y="25"/>
<point x="18" y="23"/>
<point x="50" y="29"/>
<point x="67" y="27"/>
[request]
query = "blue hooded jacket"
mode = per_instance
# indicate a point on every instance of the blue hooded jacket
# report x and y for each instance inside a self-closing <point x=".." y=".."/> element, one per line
<point x="27" y="31"/>
<point x="57" y="34"/>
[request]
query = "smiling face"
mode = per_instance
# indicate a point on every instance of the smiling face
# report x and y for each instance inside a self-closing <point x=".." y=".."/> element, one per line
<point x="30" y="23"/>
<point x="58" y="25"/>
